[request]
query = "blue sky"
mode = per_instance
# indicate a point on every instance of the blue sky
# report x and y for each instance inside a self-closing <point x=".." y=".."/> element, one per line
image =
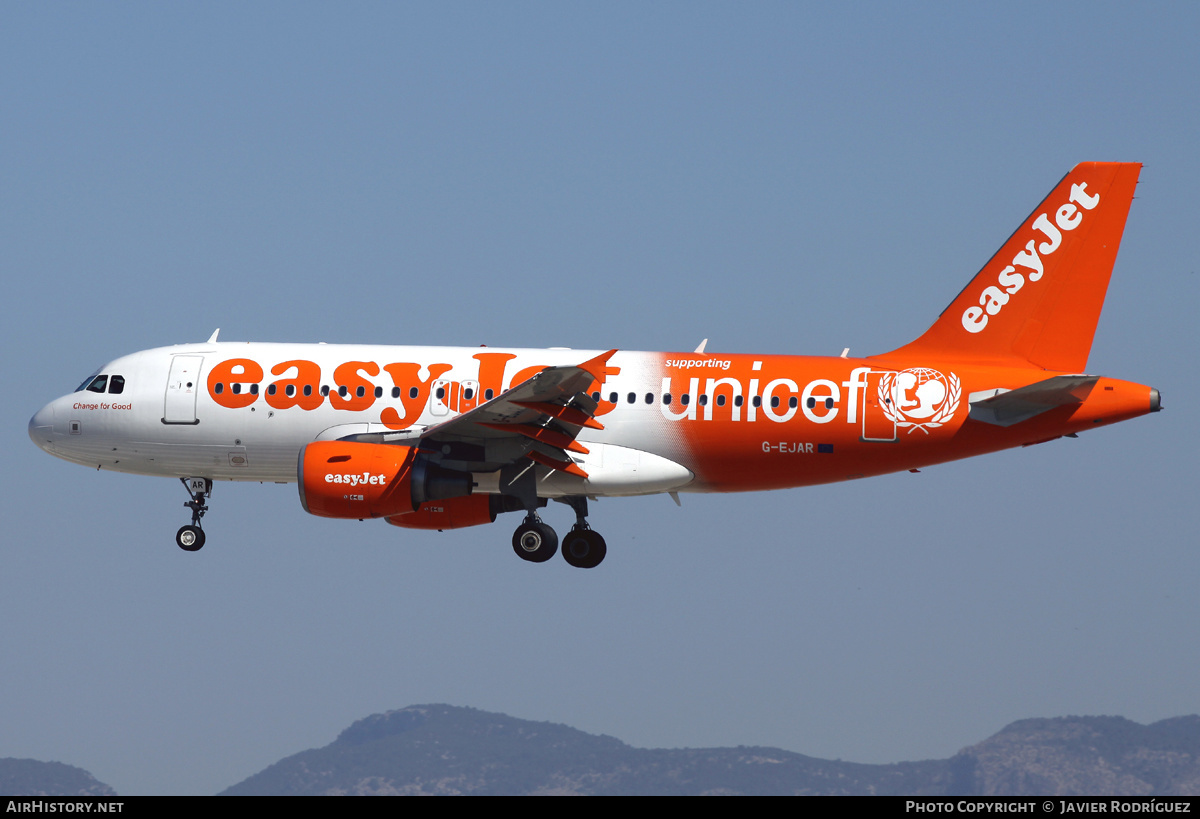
<point x="779" y="178"/>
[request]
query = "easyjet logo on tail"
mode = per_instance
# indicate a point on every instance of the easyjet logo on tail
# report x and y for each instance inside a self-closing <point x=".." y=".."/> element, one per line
<point x="1030" y="262"/>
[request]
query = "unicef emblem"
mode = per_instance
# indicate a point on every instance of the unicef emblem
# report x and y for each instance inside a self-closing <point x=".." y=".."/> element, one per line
<point x="919" y="398"/>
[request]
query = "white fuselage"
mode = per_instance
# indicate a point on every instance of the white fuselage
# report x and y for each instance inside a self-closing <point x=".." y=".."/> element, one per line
<point x="168" y="420"/>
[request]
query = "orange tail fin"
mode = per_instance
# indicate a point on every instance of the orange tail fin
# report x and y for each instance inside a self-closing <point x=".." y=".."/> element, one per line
<point x="1040" y="296"/>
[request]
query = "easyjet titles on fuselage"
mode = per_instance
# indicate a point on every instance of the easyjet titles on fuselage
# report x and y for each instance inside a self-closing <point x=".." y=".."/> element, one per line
<point x="733" y="397"/>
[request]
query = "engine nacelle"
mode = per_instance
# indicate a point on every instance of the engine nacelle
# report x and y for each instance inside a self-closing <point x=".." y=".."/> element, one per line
<point x="341" y="479"/>
<point x="453" y="513"/>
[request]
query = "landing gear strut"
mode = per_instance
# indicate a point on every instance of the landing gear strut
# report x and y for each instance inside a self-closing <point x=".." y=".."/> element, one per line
<point x="191" y="538"/>
<point x="534" y="541"/>
<point x="583" y="548"/>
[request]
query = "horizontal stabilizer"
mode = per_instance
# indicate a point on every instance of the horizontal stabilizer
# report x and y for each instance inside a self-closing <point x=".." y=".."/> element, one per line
<point x="1003" y="408"/>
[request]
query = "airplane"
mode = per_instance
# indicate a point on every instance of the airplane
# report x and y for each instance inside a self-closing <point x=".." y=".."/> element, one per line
<point x="442" y="438"/>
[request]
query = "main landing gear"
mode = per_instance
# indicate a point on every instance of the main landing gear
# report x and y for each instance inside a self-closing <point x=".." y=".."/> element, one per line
<point x="582" y="548"/>
<point x="534" y="541"/>
<point x="191" y="538"/>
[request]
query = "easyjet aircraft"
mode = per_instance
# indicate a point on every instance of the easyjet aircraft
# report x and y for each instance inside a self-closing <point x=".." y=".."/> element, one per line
<point x="439" y="438"/>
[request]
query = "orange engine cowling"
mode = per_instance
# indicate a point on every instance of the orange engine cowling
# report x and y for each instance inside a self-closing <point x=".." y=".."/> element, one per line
<point x="341" y="479"/>
<point x="347" y="480"/>
<point x="452" y="513"/>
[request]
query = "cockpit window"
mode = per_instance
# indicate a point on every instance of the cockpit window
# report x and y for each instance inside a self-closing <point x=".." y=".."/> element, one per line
<point x="85" y="383"/>
<point x="116" y="385"/>
<point x="98" y="384"/>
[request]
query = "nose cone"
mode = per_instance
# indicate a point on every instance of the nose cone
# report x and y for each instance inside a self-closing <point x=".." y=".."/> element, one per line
<point x="41" y="427"/>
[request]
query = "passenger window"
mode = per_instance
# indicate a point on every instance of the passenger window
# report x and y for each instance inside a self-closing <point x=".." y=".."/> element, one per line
<point x="468" y="394"/>
<point x="649" y="398"/>
<point x="631" y="398"/>
<point x="774" y="400"/>
<point x="792" y="402"/>
<point x="254" y="389"/>
<point x="271" y="389"/>
<point x="720" y="400"/>
<point x="612" y="398"/>
<point x="828" y="403"/>
<point x="413" y="392"/>
<point x="704" y="400"/>
<point x="360" y="392"/>
<point x="220" y="388"/>
<point x="395" y="392"/>
<point x="666" y="399"/>
<point x="308" y="389"/>
<point x="116" y="385"/>
<point x="290" y="390"/>
<point x="595" y="396"/>
<point x="324" y="389"/>
<point x="737" y="400"/>
<point x="237" y="389"/>
<point x="379" y="392"/>
<point x="812" y="402"/>
<point x="685" y="399"/>
<point x="98" y="383"/>
<point x="757" y="401"/>
<point x="488" y="394"/>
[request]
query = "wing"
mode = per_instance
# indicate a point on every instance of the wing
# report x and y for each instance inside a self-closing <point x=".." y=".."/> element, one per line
<point x="537" y="419"/>
<point x="1003" y="408"/>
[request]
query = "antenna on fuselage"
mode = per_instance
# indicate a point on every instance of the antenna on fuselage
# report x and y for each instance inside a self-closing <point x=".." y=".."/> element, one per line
<point x="213" y="338"/>
<point x="700" y="349"/>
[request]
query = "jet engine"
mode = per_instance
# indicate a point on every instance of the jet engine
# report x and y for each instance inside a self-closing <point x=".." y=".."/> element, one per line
<point x="342" y="479"/>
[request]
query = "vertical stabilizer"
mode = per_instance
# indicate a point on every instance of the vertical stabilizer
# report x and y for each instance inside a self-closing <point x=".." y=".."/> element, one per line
<point x="1040" y="296"/>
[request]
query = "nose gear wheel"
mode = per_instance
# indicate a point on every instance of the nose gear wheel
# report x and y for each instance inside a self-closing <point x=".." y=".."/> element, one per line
<point x="191" y="538"/>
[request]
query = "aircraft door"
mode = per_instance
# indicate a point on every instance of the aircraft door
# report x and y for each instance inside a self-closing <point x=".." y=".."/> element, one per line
<point x="878" y="421"/>
<point x="183" y="385"/>
<point x="439" y="395"/>
<point x="468" y="396"/>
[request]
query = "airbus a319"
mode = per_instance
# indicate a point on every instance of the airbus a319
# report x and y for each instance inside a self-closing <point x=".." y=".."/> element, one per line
<point x="447" y="437"/>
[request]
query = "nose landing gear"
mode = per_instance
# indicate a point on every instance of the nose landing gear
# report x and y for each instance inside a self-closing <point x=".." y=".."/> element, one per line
<point x="191" y="538"/>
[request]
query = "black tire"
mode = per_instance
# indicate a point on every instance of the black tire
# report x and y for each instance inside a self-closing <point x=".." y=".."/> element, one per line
<point x="535" y="542"/>
<point x="190" y="538"/>
<point x="584" y="549"/>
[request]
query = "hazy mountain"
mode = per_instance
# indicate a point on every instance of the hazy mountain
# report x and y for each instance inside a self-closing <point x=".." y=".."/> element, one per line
<point x="1087" y="755"/>
<point x="28" y="777"/>
<point x="442" y="749"/>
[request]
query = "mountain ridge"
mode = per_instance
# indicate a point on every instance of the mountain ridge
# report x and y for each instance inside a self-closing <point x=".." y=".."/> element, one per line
<point x="445" y="749"/>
